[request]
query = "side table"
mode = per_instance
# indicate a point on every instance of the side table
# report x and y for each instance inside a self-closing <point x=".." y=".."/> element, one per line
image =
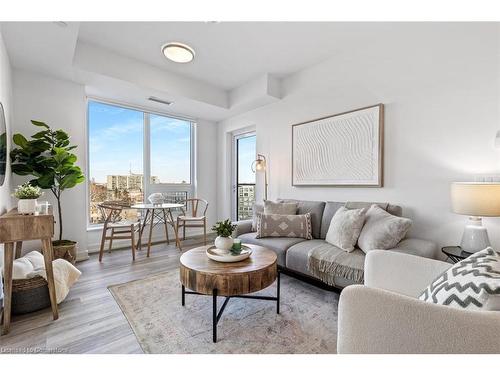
<point x="14" y="229"/>
<point x="455" y="253"/>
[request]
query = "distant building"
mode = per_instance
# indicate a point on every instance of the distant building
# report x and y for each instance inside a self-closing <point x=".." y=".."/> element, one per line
<point x="246" y="199"/>
<point x="126" y="188"/>
<point x="131" y="181"/>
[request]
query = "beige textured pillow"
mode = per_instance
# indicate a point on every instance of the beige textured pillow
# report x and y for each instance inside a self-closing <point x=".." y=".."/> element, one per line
<point x="382" y="231"/>
<point x="281" y="208"/>
<point x="345" y="228"/>
<point x="295" y="226"/>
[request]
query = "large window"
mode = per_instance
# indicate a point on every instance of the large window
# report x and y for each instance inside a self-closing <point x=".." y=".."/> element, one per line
<point x="124" y="167"/>
<point x="170" y="150"/>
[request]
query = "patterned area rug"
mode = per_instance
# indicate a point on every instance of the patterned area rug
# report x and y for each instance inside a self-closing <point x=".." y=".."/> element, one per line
<point x="307" y="322"/>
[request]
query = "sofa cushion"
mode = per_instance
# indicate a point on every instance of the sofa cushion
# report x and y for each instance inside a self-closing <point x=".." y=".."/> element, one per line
<point x="297" y="258"/>
<point x="294" y="226"/>
<point x="277" y="244"/>
<point x="391" y="208"/>
<point x="296" y="255"/>
<point x="315" y="208"/>
<point x="280" y="208"/>
<point x="328" y="212"/>
<point x="382" y="230"/>
<point x="345" y="228"/>
<point x="472" y="283"/>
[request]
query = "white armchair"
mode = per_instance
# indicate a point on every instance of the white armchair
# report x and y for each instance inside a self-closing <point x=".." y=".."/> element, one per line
<point x="386" y="316"/>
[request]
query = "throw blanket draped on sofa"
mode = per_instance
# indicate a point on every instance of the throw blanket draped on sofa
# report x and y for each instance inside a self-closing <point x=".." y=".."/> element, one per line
<point x="327" y="262"/>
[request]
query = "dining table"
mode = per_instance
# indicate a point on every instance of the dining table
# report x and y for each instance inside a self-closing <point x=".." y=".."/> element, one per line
<point x="157" y="214"/>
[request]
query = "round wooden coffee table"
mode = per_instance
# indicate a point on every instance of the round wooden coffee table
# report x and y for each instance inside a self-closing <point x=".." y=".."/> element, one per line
<point x="204" y="276"/>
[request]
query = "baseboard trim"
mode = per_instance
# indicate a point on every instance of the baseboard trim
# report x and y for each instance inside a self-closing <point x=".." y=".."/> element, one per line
<point x="82" y="255"/>
<point x="156" y="240"/>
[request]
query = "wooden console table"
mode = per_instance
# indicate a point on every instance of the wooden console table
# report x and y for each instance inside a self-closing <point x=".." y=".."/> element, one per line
<point x="14" y="229"/>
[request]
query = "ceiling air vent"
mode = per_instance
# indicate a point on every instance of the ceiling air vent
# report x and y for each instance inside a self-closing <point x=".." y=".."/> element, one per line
<point x="158" y="100"/>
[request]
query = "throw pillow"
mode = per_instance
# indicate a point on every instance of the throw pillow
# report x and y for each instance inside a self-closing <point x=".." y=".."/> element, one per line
<point x="280" y="208"/>
<point x="472" y="284"/>
<point x="345" y="228"/>
<point x="273" y="225"/>
<point x="256" y="210"/>
<point x="382" y="230"/>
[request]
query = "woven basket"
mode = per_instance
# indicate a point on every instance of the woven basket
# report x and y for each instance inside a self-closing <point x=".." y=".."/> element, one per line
<point x="29" y="295"/>
<point x="65" y="251"/>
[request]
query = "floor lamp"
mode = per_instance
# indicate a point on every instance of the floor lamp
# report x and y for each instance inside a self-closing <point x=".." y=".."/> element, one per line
<point x="260" y="165"/>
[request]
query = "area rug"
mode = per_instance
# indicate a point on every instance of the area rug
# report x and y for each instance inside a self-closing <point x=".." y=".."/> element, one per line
<point x="307" y="322"/>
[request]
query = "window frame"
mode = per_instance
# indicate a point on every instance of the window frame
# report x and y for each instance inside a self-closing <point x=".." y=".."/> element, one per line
<point x="146" y="153"/>
<point x="235" y="137"/>
<point x="147" y="134"/>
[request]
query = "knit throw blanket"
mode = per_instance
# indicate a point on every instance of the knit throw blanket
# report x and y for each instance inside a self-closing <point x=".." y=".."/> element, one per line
<point x="327" y="262"/>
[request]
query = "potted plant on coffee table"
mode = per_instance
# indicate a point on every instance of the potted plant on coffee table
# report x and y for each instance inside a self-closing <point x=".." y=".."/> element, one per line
<point x="224" y="229"/>
<point x="48" y="159"/>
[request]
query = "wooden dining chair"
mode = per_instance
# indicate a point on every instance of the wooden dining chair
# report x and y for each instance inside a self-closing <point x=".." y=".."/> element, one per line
<point x="193" y="216"/>
<point x="120" y="228"/>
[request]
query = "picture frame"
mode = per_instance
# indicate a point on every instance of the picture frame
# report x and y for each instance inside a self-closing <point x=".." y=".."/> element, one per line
<point x="343" y="150"/>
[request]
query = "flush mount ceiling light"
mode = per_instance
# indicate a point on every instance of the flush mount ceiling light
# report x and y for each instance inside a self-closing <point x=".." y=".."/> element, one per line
<point x="178" y="52"/>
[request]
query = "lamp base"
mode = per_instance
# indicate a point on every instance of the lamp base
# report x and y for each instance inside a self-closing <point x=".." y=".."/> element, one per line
<point x="475" y="237"/>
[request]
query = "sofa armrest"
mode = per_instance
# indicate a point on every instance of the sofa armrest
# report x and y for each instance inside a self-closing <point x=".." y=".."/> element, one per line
<point x="243" y="226"/>
<point x="401" y="273"/>
<point x="418" y="246"/>
<point x="377" y="321"/>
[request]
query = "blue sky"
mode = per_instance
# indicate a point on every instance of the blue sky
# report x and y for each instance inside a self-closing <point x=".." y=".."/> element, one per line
<point x="116" y="144"/>
<point x="246" y="150"/>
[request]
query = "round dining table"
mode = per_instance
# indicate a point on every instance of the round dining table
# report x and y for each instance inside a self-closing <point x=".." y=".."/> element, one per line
<point x="157" y="214"/>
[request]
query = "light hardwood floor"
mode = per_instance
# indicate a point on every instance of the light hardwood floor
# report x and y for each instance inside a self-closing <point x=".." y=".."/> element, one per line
<point x="90" y="320"/>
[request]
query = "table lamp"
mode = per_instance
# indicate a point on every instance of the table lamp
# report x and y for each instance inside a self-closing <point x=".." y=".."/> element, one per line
<point x="475" y="199"/>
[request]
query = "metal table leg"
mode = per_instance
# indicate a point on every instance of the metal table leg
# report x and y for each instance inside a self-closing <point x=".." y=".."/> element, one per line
<point x="216" y="315"/>
<point x="278" y="293"/>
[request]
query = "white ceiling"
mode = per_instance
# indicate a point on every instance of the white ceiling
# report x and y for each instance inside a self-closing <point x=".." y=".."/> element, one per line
<point x="236" y="63"/>
<point x="228" y="54"/>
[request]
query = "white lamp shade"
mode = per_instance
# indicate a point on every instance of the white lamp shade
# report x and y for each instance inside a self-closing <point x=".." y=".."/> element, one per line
<point x="475" y="198"/>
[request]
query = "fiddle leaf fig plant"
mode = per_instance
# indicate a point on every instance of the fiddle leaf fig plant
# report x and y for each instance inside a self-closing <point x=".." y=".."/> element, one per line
<point x="48" y="159"/>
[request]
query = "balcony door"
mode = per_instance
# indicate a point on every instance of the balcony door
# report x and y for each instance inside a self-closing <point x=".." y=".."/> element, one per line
<point x="244" y="177"/>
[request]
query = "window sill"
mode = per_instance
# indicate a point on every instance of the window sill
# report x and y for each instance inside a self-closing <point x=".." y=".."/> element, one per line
<point x="95" y="228"/>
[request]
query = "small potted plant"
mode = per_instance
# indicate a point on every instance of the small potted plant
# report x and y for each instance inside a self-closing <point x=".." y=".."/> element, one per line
<point x="224" y="229"/>
<point x="27" y="196"/>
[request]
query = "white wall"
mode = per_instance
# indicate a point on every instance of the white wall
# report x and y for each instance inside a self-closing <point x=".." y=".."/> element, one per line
<point x="62" y="105"/>
<point x="440" y="87"/>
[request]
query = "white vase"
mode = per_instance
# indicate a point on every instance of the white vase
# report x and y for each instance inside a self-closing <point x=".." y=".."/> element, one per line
<point x="26" y="206"/>
<point x="224" y="243"/>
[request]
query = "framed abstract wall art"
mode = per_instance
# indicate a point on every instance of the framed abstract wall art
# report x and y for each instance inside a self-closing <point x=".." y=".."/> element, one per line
<point x="345" y="149"/>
